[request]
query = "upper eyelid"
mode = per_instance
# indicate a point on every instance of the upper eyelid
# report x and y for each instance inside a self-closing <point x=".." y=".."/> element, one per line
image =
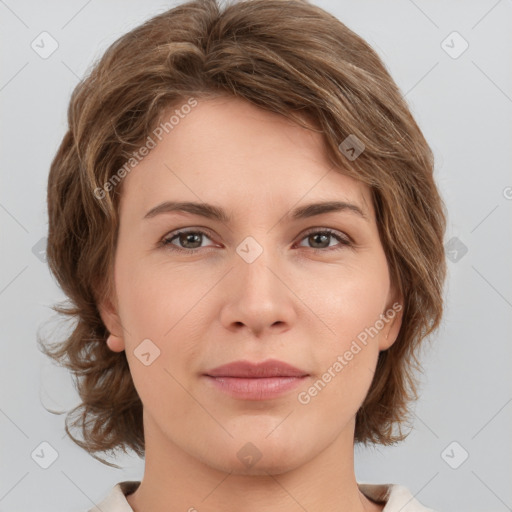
<point x="174" y="233"/>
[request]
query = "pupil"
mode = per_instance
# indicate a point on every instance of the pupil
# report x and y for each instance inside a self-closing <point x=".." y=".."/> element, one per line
<point x="323" y="235"/>
<point x="190" y="237"/>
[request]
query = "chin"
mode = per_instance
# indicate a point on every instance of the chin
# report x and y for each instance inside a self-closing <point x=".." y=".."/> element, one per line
<point x="254" y="455"/>
<point x="270" y="465"/>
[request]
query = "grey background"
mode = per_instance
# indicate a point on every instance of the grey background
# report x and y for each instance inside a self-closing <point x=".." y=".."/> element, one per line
<point x="464" y="107"/>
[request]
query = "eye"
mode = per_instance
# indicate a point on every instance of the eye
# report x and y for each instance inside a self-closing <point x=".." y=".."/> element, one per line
<point x="319" y="239"/>
<point x="191" y="240"/>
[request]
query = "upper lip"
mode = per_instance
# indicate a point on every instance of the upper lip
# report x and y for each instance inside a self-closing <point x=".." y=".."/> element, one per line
<point x="248" y="369"/>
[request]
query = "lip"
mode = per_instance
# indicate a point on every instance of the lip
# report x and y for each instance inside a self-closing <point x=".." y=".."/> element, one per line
<point x="248" y="369"/>
<point x="265" y="388"/>
<point x="255" y="381"/>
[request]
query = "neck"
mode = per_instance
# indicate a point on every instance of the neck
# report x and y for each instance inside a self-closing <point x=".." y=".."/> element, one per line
<point x="174" y="480"/>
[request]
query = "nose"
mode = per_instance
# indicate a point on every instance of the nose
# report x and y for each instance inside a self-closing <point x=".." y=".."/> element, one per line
<point x="257" y="297"/>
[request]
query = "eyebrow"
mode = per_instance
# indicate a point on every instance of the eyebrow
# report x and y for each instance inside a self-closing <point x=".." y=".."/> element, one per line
<point x="216" y="213"/>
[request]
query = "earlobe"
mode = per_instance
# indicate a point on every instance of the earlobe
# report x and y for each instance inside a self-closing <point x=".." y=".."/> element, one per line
<point x="115" y="343"/>
<point x="110" y="318"/>
<point x="394" y="316"/>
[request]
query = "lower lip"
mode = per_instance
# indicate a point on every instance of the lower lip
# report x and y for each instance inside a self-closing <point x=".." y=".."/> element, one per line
<point x="255" y="389"/>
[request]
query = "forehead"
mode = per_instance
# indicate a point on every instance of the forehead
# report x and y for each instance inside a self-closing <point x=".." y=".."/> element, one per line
<point x="226" y="149"/>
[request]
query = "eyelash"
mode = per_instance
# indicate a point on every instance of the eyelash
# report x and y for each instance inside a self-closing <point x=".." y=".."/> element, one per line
<point x="167" y="241"/>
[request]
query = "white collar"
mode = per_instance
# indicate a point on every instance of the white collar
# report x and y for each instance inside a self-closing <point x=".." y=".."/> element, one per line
<point x="397" y="497"/>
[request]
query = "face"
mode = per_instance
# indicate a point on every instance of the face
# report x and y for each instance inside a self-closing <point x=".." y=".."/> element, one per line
<point x="271" y="280"/>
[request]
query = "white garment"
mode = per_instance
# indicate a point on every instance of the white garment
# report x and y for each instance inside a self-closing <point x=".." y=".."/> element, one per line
<point x="396" y="497"/>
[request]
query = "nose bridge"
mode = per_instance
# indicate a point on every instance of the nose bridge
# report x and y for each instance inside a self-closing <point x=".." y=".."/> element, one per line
<point x="255" y="259"/>
<point x="257" y="297"/>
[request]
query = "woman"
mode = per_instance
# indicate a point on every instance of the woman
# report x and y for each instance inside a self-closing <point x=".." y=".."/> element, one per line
<point x="244" y="218"/>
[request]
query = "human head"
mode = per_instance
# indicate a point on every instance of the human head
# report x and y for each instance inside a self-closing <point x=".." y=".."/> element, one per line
<point x="285" y="57"/>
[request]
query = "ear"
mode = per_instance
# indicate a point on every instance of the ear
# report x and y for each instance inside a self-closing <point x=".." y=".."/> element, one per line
<point x="392" y="318"/>
<point x="110" y="317"/>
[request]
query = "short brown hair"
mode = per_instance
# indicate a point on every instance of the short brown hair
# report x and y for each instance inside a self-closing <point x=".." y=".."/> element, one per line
<point x="285" y="56"/>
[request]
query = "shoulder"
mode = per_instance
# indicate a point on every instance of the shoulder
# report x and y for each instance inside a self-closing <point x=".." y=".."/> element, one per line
<point x="395" y="497"/>
<point x="116" y="501"/>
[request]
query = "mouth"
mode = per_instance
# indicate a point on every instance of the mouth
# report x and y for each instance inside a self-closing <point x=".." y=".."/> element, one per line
<point x="259" y="388"/>
<point x="245" y="380"/>
<point x="265" y="369"/>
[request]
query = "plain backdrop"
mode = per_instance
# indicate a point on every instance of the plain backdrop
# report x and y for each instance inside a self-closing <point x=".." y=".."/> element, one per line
<point x="459" y="88"/>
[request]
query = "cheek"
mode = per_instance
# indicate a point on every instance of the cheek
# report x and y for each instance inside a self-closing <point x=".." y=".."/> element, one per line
<point x="347" y="352"/>
<point x="349" y="308"/>
<point x="349" y="300"/>
<point x="162" y="305"/>
<point x="151" y="299"/>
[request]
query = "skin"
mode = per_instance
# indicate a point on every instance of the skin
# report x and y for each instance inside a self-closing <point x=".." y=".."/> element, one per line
<point x="206" y="308"/>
